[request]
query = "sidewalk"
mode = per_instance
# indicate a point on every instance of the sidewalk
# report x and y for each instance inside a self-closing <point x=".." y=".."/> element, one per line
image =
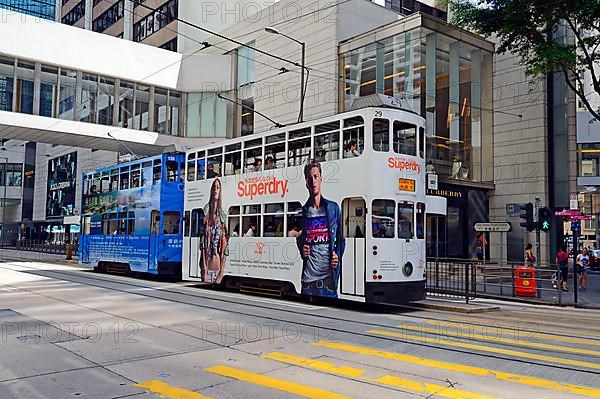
<point x="15" y="255"/>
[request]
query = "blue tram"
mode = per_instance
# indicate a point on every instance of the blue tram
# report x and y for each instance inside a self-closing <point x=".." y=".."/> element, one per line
<point x="131" y="216"/>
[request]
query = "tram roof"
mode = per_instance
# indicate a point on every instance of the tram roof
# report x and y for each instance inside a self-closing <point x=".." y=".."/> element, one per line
<point x="129" y="163"/>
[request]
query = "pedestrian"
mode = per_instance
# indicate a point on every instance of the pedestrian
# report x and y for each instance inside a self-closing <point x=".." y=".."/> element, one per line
<point x="529" y="256"/>
<point x="562" y="260"/>
<point x="480" y="244"/>
<point x="581" y="265"/>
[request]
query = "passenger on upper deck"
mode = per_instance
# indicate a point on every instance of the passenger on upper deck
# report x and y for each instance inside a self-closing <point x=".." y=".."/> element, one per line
<point x="351" y="150"/>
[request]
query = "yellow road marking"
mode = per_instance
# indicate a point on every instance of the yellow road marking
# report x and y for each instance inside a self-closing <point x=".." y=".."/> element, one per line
<point x="508" y="329"/>
<point x="314" y="364"/>
<point x="538" y="314"/>
<point x="466" y="334"/>
<point x="523" y="321"/>
<point x="275" y="383"/>
<point x="430" y="389"/>
<point x="484" y="348"/>
<point x="472" y="370"/>
<point x="403" y="383"/>
<point x="168" y="391"/>
<point x="520" y="324"/>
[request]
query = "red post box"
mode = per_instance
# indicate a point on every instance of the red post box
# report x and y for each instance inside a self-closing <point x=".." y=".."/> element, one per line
<point x="525" y="283"/>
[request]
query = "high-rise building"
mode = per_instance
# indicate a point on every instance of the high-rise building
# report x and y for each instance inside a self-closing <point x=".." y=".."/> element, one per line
<point x="38" y="8"/>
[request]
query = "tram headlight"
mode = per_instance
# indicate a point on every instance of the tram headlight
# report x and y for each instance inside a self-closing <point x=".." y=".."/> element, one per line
<point x="407" y="269"/>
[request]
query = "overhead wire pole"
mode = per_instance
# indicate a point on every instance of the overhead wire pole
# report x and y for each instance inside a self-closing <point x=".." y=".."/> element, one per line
<point x="3" y="228"/>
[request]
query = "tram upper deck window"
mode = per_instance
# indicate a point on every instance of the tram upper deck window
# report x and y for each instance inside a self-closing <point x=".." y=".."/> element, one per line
<point x="105" y="182"/>
<point x="354" y="137"/>
<point x="327" y="141"/>
<point x="383" y="218"/>
<point x="381" y="135"/>
<point x="114" y="180"/>
<point x="172" y="171"/>
<point x="422" y="142"/>
<point x="215" y="163"/>
<point x="124" y="185"/>
<point x="200" y="165"/>
<point x="406" y="215"/>
<point x="405" y="138"/>
<point x="253" y="161"/>
<point x="191" y="167"/>
<point x="147" y="173"/>
<point x="275" y="151"/>
<point x="156" y="172"/>
<point x="136" y="176"/>
<point x="233" y="159"/>
<point x="299" y="147"/>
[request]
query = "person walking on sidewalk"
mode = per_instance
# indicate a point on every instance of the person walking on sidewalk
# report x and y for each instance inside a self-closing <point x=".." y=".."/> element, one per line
<point x="562" y="260"/>
<point x="582" y="264"/>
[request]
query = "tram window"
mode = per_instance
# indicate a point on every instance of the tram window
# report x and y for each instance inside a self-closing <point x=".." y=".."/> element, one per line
<point x="381" y="135"/>
<point x="96" y="184"/>
<point x="253" y="160"/>
<point x="327" y="147"/>
<point x="233" y="163"/>
<point x="191" y="167"/>
<point x="172" y="167"/>
<point x="295" y="134"/>
<point x="114" y="180"/>
<point x="156" y="174"/>
<point x="354" y="121"/>
<point x="405" y="138"/>
<point x="299" y="152"/>
<point x="136" y="178"/>
<point x="383" y="218"/>
<point x="105" y="183"/>
<point x="214" y="161"/>
<point x="122" y="226"/>
<point x="201" y="165"/>
<point x="294" y="222"/>
<point x="197" y="223"/>
<point x="406" y="214"/>
<point x="105" y="228"/>
<point x="87" y="220"/>
<point x="420" y="220"/>
<point x="86" y="185"/>
<point x="147" y="174"/>
<point x="251" y="221"/>
<point x="124" y="180"/>
<point x="112" y="223"/>
<point x="233" y="223"/>
<point x="422" y="142"/>
<point x="273" y="220"/>
<point x="181" y="171"/>
<point x="186" y="223"/>
<point x="171" y="223"/>
<point x="275" y="156"/>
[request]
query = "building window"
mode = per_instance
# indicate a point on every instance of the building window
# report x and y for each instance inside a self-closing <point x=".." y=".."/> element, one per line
<point x="206" y="115"/>
<point x="48" y="89"/>
<point x="11" y="174"/>
<point x="7" y="73"/>
<point x="246" y="65"/>
<point x="155" y="21"/>
<point x="75" y="14"/>
<point x="109" y="17"/>
<point x="171" y="45"/>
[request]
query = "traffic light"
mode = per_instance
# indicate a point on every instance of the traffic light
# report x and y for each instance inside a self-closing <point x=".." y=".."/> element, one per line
<point x="527" y="216"/>
<point x="544" y="219"/>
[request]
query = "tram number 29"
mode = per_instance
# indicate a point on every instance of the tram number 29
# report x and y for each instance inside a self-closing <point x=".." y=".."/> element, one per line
<point x="378" y="114"/>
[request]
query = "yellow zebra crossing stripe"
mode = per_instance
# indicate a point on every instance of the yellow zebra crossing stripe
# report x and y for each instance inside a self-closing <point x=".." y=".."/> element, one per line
<point x="518" y="334"/>
<point x="469" y="335"/>
<point x="168" y="391"/>
<point x="472" y="370"/>
<point x="390" y="380"/>
<point x="275" y="383"/>
<point x="524" y="321"/>
<point x="509" y="352"/>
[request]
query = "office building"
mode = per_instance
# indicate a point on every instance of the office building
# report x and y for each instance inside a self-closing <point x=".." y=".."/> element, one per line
<point x="38" y="8"/>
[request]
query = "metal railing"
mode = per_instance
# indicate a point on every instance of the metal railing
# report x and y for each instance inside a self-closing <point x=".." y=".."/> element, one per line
<point x="44" y="246"/>
<point x="454" y="278"/>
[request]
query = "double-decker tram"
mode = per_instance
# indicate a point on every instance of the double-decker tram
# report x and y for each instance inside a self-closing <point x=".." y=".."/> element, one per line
<point x="131" y="216"/>
<point x="333" y="207"/>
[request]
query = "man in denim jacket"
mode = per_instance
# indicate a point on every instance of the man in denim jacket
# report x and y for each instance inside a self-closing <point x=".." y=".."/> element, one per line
<point x="321" y="243"/>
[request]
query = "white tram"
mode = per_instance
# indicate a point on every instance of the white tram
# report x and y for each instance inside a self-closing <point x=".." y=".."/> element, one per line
<point x="350" y="226"/>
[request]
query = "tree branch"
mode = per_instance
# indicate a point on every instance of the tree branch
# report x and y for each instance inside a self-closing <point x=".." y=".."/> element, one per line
<point x="580" y="93"/>
<point x="589" y="61"/>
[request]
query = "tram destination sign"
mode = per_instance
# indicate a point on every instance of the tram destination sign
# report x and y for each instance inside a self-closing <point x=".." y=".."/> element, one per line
<point x="501" y="227"/>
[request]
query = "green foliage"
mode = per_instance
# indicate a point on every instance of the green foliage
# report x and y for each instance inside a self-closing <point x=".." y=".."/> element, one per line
<point x="548" y="36"/>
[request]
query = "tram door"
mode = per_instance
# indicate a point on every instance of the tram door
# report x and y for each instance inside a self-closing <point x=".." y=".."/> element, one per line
<point x="84" y="241"/>
<point x="153" y="241"/>
<point x="354" y="259"/>
<point x="196" y="243"/>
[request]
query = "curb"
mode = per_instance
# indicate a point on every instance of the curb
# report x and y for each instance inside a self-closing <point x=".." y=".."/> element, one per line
<point x="455" y="307"/>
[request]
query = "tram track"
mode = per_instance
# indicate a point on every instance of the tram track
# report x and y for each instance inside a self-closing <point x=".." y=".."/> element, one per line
<point x="181" y="294"/>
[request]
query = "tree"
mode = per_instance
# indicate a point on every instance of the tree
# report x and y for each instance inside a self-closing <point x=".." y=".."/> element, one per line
<point x="528" y="28"/>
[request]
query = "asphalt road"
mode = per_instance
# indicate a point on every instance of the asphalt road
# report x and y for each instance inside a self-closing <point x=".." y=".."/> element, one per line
<point x="67" y="332"/>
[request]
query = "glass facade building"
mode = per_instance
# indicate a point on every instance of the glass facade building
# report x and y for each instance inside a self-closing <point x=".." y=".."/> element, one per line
<point x="45" y="9"/>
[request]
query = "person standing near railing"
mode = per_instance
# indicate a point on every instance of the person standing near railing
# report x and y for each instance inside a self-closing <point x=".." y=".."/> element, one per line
<point x="582" y="264"/>
<point x="562" y="260"/>
<point x="529" y="256"/>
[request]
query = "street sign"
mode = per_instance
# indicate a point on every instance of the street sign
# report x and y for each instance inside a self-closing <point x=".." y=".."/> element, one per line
<point x="573" y="201"/>
<point x="581" y="217"/>
<point x="502" y="227"/>
<point x="575" y="226"/>
<point x="513" y="210"/>
<point x="567" y="213"/>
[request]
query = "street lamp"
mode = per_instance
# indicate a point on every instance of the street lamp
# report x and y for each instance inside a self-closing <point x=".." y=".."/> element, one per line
<point x="2" y="229"/>
<point x="274" y="31"/>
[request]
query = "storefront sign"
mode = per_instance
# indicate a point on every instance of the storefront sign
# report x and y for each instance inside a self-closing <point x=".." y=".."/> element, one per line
<point x="62" y="172"/>
<point x="445" y="193"/>
<point x="432" y="181"/>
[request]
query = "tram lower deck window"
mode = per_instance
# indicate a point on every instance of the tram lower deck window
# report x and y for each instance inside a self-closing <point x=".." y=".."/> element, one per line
<point x="383" y="218"/>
